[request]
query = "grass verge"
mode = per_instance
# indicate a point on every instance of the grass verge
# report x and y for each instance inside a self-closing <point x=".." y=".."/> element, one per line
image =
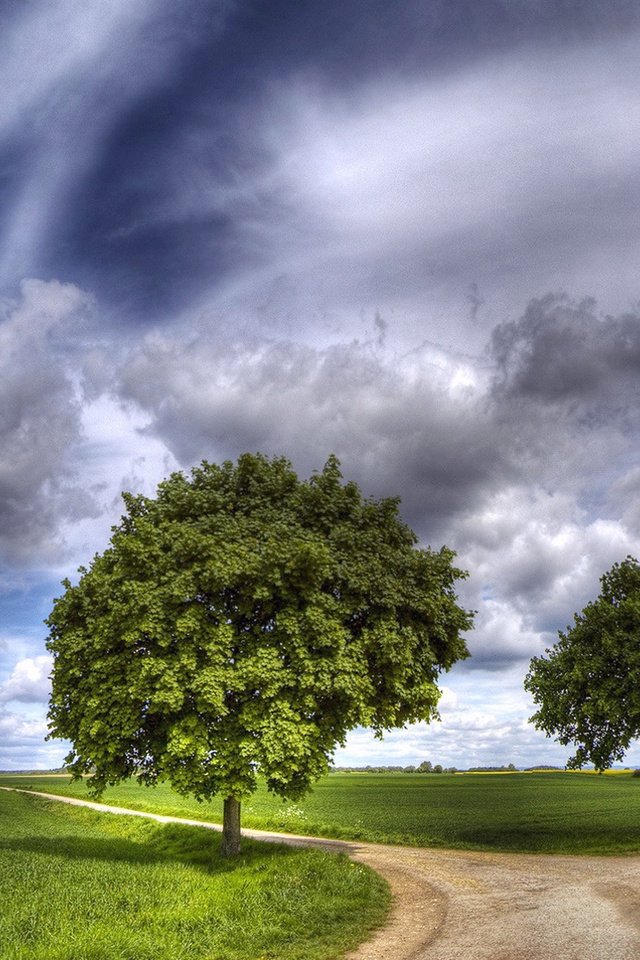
<point x="80" y="885"/>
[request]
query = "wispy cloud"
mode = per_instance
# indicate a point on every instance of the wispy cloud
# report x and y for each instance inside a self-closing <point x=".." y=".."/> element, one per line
<point x="70" y="71"/>
<point x="400" y="194"/>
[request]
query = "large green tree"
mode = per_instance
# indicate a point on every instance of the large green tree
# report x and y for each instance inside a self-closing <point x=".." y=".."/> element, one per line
<point x="588" y="687"/>
<point x="240" y="624"/>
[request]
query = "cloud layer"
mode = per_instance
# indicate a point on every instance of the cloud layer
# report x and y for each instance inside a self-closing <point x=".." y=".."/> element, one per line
<point x="493" y="454"/>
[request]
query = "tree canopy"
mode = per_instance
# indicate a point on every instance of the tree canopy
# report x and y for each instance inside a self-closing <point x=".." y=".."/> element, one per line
<point x="240" y="623"/>
<point x="588" y="687"/>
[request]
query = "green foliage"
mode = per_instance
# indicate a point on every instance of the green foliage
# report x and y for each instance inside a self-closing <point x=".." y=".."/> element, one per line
<point x="588" y="687"/>
<point x="78" y="884"/>
<point x="240" y="624"/>
<point x="577" y="812"/>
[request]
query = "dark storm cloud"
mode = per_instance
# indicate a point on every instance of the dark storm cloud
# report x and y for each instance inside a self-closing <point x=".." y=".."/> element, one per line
<point x="561" y="395"/>
<point x="563" y="356"/>
<point x="564" y="402"/>
<point x="398" y="429"/>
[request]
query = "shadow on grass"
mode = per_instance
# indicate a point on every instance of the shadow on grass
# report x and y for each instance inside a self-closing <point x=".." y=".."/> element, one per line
<point x="170" y="844"/>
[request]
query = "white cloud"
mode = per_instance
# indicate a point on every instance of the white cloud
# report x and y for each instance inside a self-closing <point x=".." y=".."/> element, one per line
<point x="22" y="744"/>
<point x="19" y="730"/>
<point x="537" y="558"/>
<point x="117" y="454"/>
<point x="484" y="723"/>
<point x="69" y="448"/>
<point x="623" y="500"/>
<point x="29" y="681"/>
<point x="500" y="635"/>
<point x="40" y="419"/>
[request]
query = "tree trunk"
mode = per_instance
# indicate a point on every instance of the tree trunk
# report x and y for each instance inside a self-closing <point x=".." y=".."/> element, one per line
<point x="231" y="828"/>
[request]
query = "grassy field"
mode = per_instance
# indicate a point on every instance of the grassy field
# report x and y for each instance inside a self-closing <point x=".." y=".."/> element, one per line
<point x="530" y="812"/>
<point x="79" y="885"/>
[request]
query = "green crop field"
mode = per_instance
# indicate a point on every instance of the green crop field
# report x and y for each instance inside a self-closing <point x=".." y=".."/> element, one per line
<point x="80" y="885"/>
<point x="533" y="812"/>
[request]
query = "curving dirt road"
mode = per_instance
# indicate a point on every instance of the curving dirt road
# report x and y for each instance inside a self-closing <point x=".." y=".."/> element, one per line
<point x="452" y="905"/>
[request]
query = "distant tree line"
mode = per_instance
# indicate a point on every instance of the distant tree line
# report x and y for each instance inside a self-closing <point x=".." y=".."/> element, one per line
<point x="510" y="768"/>
<point x="542" y="766"/>
<point x="425" y="767"/>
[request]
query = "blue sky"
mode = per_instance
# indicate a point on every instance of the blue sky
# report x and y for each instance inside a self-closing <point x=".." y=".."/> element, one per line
<point x="404" y="233"/>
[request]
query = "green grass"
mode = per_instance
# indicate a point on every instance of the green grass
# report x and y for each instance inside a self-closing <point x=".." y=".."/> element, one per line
<point x="80" y="885"/>
<point x="529" y="812"/>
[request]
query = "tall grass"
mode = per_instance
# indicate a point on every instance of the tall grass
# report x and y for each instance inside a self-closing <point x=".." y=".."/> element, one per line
<point x="79" y="885"/>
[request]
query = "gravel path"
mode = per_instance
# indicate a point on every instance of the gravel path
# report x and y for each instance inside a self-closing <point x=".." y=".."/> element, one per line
<point x="454" y="905"/>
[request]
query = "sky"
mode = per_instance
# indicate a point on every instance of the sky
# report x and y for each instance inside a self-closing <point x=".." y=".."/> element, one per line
<point x="405" y="233"/>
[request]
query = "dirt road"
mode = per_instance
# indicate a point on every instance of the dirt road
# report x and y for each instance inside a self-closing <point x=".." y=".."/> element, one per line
<point x="451" y="905"/>
<point x="480" y="906"/>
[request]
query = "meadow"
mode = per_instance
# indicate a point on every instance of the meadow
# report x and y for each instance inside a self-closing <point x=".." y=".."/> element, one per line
<point x="525" y="812"/>
<point x="81" y="885"/>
